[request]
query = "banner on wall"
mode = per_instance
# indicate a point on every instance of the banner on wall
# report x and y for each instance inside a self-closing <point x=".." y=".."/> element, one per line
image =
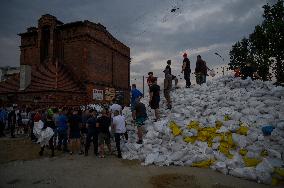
<point x="98" y="94"/>
<point x="109" y="93"/>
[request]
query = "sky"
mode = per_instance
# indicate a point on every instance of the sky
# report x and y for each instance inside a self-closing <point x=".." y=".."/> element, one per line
<point x="149" y="27"/>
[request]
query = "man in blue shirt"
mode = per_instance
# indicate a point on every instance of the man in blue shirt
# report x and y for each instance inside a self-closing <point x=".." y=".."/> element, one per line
<point x="135" y="94"/>
<point x="62" y="128"/>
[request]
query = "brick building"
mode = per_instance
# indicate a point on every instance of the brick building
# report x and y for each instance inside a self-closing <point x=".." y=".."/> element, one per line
<point x="63" y="64"/>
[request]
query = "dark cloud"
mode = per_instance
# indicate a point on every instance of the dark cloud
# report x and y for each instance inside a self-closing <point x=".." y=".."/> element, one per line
<point x="152" y="31"/>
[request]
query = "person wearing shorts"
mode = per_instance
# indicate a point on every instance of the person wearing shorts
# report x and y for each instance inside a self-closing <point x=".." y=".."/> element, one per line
<point x="103" y="124"/>
<point x="155" y="98"/>
<point x="135" y="94"/>
<point x="141" y="116"/>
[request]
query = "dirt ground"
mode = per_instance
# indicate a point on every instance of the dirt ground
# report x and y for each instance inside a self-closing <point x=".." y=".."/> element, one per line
<point x="20" y="166"/>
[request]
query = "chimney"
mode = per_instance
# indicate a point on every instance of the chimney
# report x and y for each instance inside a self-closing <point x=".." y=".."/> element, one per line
<point x="25" y="76"/>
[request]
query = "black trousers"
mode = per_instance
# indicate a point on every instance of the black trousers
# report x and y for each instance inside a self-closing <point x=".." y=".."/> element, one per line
<point x="2" y="127"/>
<point x="117" y="142"/>
<point x="90" y="135"/>
<point x="187" y="79"/>
<point x="12" y="128"/>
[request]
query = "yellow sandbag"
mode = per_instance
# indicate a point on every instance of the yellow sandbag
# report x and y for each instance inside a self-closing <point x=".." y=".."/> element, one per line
<point x="193" y="125"/>
<point x="218" y="124"/>
<point x="243" y="130"/>
<point x="209" y="143"/>
<point x="230" y="156"/>
<point x="224" y="148"/>
<point x="227" y="118"/>
<point x="264" y="153"/>
<point x="172" y="125"/>
<point x="274" y="181"/>
<point x="176" y="131"/>
<point x="202" y="138"/>
<point x="243" y="152"/>
<point x="279" y="171"/>
<point x="230" y="140"/>
<point x="190" y="139"/>
<point x="203" y="164"/>
<point x="210" y="129"/>
<point x="249" y="162"/>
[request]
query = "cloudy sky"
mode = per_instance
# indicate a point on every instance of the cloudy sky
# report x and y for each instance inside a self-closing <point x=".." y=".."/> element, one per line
<point x="153" y="33"/>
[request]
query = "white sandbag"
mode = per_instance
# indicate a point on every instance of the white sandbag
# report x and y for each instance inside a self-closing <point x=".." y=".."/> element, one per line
<point x="221" y="167"/>
<point x="37" y="128"/>
<point x="236" y="162"/>
<point x="45" y="136"/>
<point x="246" y="173"/>
<point x="273" y="153"/>
<point x="223" y="129"/>
<point x="151" y="158"/>
<point x="239" y="140"/>
<point x="263" y="171"/>
<point x="151" y="134"/>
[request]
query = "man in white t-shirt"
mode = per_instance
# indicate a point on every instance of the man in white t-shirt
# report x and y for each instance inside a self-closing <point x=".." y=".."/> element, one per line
<point x="118" y="125"/>
<point x="115" y="107"/>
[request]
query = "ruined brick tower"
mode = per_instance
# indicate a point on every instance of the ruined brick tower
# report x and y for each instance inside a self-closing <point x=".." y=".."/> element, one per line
<point x="65" y="63"/>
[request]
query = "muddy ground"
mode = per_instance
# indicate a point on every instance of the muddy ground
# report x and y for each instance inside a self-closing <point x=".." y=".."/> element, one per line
<point x="20" y="166"/>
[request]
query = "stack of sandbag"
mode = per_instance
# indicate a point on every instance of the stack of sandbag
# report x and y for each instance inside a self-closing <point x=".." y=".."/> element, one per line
<point x="218" y="125"/>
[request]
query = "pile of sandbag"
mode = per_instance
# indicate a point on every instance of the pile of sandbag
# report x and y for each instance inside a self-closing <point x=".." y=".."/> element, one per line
<point x="218" y="125"/>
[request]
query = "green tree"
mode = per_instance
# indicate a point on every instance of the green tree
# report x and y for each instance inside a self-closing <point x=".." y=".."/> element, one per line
<point x="273" y="25"/>
<point x="265" y="46"/>
<point x="259" y="50"/>
<point x="240" y="54"/>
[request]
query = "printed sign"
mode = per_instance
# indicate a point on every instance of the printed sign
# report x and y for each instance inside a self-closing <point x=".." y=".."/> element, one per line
<point x="98" y="94"/>
<point x="109" y="93"/>
<point x="119" y="96"/>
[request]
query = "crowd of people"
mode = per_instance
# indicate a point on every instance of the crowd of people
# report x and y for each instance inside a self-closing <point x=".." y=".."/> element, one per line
<point x="74" y="129"/>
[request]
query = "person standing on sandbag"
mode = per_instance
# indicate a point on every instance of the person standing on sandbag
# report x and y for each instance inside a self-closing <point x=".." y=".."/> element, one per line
<point x="186" y="70"/>
<point x="155" y="98"/>
<point x="168" y="87"/>
<point x="173" y="77"/>
<point x="141" y="116"/>
<point x="150" y="79"/>
<point x="200" y="70"/>
<point x="135" y="94"/>
<point x="92" y="133"/>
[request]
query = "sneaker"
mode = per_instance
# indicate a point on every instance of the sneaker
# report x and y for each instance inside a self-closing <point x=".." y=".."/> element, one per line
<point x="71" y="153"/>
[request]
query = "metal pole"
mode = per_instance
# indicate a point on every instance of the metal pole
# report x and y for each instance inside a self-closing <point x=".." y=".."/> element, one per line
<point x="223" y="71"/>
<point x="143" y="86"/>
